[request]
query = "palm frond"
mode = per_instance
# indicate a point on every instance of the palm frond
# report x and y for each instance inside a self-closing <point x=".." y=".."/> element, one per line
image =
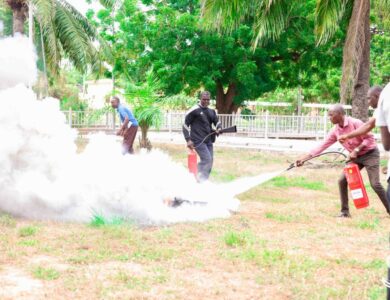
<point x="271" y="20"/>
<point x="226" y="14"/>
<point x="75" y="35"/>
<point x="43" y="10"/>
<point x="110" y="3"/>
<point x="382" y="11"/>
<point x="269" y="16"/>
<point x="52" y="46"/>
<point x="328" y="16"/>
<point x="150" y="116"/>
<point x="81" y="20"/>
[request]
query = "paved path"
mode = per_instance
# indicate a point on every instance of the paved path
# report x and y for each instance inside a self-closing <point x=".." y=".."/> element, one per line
<point x="283" y="145"/>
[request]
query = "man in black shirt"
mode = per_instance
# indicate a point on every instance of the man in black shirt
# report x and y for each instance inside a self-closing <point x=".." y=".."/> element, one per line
<point x="197" y="125"/>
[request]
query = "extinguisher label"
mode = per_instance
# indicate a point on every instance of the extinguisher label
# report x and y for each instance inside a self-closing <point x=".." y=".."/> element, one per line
<point x="357" y="194"/>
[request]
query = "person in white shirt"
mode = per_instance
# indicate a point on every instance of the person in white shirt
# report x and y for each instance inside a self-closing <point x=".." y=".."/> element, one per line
<point x="383" y="120"/>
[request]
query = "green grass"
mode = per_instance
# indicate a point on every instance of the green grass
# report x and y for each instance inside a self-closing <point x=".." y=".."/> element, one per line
<point x="27" y="231"/>
<point x="377" y="292"/>
<point x="164" y="234"/>
<point x="28" y="243"/>
<point x="45" y="273"/>
<point x="272" y="256"/>
<point x="302" y="182"/>
<point x="99" y="221"/>
<point x="278" y="217"/>
<point x="369" y="224"/>
<point x="383" y="162"/>
<point x="376" y="264"/>
<point x="237" y="239"/>
<point x="153" y="254"/>
<point x="276" y="200"/>
<point x="275" y="247"/>
<point x="143" y="283"/>
<point x="7" y="220"/>
<point x="133" y="282"/>
<point x="368" y="188"/>
<point x="83" y="256"/>
<point x="222" y="176"/>
<point x="372" y="211"/>
<point x="285" y="218"/>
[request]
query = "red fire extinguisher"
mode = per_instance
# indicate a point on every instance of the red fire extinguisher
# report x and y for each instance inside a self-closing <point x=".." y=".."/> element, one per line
<point x="193" y="162"/>
<point x="356" y="185"/>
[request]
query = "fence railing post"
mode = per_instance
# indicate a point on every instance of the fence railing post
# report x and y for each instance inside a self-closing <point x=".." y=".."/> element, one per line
<point x="70" y="117"/>
<point x="325" y="124"/>
<point x="113" y="121"/>
<point x="265" y="125"/>
<point x="170" y="124"/>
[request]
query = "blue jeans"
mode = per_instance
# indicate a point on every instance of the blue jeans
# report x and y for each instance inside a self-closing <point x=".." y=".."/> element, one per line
<point x="205" y="152"/>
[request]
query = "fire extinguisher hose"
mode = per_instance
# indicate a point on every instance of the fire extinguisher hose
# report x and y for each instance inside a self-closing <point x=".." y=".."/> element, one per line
<point x="293" y="165"/>
<point x="232" y="129"/>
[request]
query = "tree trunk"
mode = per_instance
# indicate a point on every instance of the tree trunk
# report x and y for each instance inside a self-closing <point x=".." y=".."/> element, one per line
<point x="356" y="61"/>
<point x="19" y="11"/>
<point x="225" y="103"/>
<point x="144" y="141"/>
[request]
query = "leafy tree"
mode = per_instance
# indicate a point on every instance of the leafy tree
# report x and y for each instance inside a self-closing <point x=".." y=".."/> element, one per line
<point x="178" y="102"/>
<point x="170" y="39"/>
<point x="146" y="110"/>
<point x="5" y="20"/>
<point x="271" y="18"/>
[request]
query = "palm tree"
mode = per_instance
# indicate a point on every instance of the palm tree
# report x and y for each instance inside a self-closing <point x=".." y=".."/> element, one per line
<point x="147" y="110"/>
<point x="60" y="28"/>
<point x="271" y="17"/>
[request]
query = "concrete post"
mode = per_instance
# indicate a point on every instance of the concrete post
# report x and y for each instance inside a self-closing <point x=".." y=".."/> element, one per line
<point x="70" y="119"/>
<point x="266" y="124"/>
<point x="170" y="124"/>
<point x="325" y="120"/>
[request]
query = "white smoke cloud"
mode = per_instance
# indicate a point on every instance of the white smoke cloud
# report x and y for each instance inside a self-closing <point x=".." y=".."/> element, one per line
<point x="43" y="177"/>
<point x="17" y="62"/>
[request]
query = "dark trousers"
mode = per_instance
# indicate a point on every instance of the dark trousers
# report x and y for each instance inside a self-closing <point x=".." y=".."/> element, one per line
<point x="128" y="139"/>
<point x="206" y="153"/>
<point x="388" y="193"/>
<point x="370" y="161"/>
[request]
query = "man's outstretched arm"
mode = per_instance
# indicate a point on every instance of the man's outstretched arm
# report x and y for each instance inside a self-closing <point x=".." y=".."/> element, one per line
<point x="329" y="141"/>
<point x="362" y="130"/>
<point x="385" y="138"/>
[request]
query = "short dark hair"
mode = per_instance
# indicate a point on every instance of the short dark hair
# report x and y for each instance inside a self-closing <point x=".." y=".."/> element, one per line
<point x="338" y="108"/>
<point x="377" y="90"/>
<point x="204" y="93"/>
<point x="115" y="98"/>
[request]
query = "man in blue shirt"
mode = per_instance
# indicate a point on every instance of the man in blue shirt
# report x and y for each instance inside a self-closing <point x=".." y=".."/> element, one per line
<point x="129" y="125"/>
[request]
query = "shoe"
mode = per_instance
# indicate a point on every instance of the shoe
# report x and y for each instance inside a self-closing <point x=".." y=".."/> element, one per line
<point x="344" y="215"/>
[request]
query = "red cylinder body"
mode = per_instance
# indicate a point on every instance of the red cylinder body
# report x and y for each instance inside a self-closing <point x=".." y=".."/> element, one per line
<point x="193" y="162"/>
<point x="356" y="185"/>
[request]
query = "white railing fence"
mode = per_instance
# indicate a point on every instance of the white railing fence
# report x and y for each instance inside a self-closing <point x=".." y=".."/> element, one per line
<point x="264" y="125"/>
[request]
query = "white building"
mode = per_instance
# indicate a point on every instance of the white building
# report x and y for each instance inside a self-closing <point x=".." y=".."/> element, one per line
<point x="97" y="92"/>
